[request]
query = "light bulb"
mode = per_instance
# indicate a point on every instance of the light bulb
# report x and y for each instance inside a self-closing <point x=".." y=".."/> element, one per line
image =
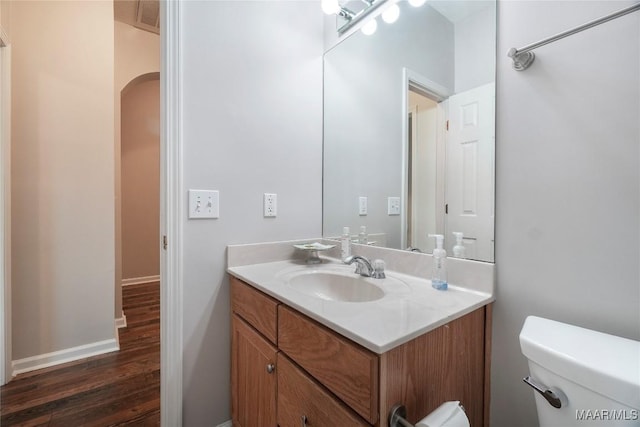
<point x="370" y="27"/>
<point x="330" y="7"/>
<point x="417" y="3"/>
<point x="391" y="14"/>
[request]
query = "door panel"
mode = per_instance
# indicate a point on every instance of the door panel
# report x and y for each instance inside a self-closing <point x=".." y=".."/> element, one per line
<point x="253" y="379"/>
<point x="470" y="171"/>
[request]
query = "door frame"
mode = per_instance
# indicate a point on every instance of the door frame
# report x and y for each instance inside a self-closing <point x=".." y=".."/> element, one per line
<point x="434" y="91"/>
<point x="171" y="215"/>
<point x="6" y="371"/>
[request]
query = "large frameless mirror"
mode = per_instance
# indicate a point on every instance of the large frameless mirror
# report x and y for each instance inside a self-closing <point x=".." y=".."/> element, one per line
<point x="409" y="130"/>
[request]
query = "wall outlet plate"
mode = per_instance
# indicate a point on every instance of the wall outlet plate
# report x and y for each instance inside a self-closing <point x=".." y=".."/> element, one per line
<point x="393" y="205"/>
<point x="204" y="204"/>
<point x="270" y="205"/>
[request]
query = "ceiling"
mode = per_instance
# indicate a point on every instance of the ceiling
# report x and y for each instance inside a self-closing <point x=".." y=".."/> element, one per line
<point x="143" y="14"/>
<point x="456" y="11"/>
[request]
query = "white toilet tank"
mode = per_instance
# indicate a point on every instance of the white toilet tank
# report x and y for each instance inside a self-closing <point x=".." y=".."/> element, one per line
<point x="598" y="374"/>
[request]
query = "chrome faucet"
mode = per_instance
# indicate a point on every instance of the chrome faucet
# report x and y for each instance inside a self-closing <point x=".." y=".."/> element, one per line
<point x="364" y="267"/>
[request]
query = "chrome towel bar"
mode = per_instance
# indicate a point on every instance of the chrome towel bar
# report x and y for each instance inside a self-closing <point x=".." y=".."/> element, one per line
<point x="523" y="57"/>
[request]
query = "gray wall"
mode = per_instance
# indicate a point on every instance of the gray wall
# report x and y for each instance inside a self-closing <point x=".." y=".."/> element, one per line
<point x="62" y="194"/>
<point x="475" y="57"/>
<point x="140" y="189"/>
<point x="567" y="227"/>
<point x="252" y="124"/>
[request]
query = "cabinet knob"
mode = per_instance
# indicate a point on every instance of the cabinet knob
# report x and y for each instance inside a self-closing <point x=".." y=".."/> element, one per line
<point x="271" y="367"/>
<point x="304" y="420"/>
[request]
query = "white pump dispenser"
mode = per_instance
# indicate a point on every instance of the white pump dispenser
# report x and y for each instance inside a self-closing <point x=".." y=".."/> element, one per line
<point x="439" y="274"/>
<point x="345" y="244"/>
<point x="362" y="237"/>
<point x="458" y="249"/>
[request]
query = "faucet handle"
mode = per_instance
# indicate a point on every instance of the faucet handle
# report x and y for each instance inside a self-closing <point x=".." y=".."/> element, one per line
<point x="378" y="269"/>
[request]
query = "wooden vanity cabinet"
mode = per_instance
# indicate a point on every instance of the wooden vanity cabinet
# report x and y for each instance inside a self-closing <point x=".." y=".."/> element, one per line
<point x="303" y="402"/>
<point x="345" y="368"/>
<point x="253" y="377"/>
<point x="253" y="356"/>
<point x="287" y="368"/>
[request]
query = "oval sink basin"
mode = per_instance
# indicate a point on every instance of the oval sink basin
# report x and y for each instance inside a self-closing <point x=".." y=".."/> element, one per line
<point x="335" y="286"/>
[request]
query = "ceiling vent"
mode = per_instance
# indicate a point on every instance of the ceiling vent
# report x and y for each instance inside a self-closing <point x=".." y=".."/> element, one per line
<point x="148" y="15"/>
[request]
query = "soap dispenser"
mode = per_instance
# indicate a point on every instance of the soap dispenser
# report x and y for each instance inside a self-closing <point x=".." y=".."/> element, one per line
<point x="362" y="237"/>
<point x="439" y="274"/>
<point x="345" y="244"/>
<point x="458" y="249"/>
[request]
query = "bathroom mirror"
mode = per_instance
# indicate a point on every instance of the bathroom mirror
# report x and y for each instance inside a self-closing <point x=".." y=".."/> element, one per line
<point x="409" y="130"/>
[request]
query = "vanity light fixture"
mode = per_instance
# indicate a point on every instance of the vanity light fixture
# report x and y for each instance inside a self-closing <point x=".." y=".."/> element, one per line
<point x="333" y="7"/>
<point x="417" y="3"/>
<point x="330" y="7"/>
<point x="391" y="14"/>
<point x="346" y="14"/>
<point x="370" y="27"/>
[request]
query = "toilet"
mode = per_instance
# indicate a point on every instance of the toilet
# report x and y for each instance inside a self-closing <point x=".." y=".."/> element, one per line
<point x="593" y="377"/>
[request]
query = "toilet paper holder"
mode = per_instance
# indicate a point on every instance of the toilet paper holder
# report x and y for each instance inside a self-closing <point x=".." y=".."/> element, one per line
<point x="397" y="417"/>
<point x="398" y="414"/>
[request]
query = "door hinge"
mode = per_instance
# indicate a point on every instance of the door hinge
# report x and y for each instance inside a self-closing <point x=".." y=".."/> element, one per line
<point x="164" y="242"/>
<point x="447" y="125"/>
<point x="446" y="208"/>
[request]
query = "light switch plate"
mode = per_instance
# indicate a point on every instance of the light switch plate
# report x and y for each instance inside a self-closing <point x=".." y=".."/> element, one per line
<point x="204" y="204"/>
<point x="362" y="205"/>
<point x="393" y="205"/>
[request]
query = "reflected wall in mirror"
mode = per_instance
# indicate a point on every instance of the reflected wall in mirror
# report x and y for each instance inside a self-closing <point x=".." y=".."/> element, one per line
<point x="409" y="115"/>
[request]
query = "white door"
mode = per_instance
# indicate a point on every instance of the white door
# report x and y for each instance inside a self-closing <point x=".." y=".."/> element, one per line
<point x="470" y="171"/>
<point x="423" y="182"/>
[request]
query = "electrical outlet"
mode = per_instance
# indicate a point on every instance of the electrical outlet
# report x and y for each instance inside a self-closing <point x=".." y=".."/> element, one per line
<point x="362" y="205"/>
<point x="393" y="205"/>
<point x="204" y="204"/>
<point x="270" y="205"/>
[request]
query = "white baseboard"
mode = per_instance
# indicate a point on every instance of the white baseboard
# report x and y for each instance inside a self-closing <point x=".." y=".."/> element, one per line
<point x="140" y="280"/>
<point x="226" y="424"/>
<point x="117" y="335"/>
<point x="121" y="322"/>
<point x="63" y="356"/>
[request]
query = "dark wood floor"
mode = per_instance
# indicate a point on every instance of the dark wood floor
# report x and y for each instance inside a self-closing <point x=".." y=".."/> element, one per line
<point x="119" y="388"/>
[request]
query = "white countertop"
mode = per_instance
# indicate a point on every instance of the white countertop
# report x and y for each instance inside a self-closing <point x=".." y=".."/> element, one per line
<point x="409" y="308"/>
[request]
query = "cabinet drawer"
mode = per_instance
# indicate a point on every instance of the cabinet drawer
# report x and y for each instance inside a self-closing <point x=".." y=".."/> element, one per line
<point x="346" y="369"/>
<point x="258" y="309"/>
<point x="300" y="399"/>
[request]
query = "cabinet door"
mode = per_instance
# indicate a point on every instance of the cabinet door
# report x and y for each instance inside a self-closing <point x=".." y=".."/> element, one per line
<point x="253" y="377"/>
<point x="303" y="402"/>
